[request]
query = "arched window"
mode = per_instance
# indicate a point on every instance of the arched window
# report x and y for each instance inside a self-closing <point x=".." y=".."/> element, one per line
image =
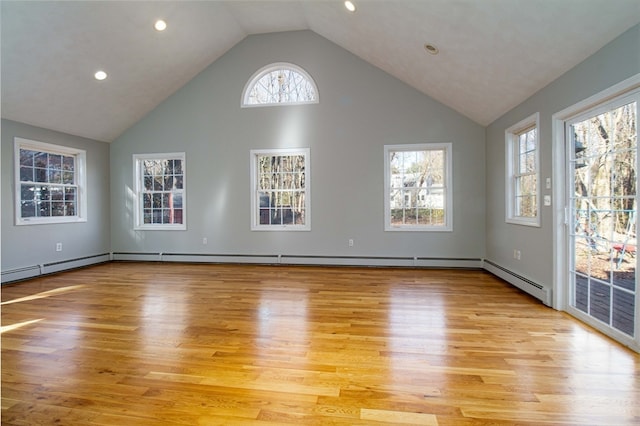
<point x="278" y="84"/>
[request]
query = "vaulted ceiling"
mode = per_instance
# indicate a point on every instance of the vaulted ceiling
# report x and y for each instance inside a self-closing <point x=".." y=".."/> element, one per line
<point x="493" y="54"/>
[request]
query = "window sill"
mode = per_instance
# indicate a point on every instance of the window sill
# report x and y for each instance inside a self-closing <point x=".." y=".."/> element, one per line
<point x="49" y="220"/>
<point x="161" y="228"/>
<point x="530" y="223"/>
<point x="418" y="228"/>
<point x="285" y="228"/>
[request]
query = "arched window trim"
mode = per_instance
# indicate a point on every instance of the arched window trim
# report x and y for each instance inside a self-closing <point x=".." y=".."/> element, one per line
<point x="269" y="68"/>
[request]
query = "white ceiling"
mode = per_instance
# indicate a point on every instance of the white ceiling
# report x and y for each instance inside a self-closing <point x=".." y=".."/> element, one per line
<point x="493" y="53"/>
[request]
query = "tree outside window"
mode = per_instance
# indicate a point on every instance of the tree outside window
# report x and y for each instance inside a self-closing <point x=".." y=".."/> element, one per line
<point x="280" y="189"/>
<point x="160" y="191"/>
<point x="522" y="186"/>
<point x="280" y="84"/>
<point x="418" y="187"/>
<point x="50" y="183"/>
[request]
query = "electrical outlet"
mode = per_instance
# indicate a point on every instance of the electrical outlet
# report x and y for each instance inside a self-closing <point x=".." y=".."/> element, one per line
<point x="205" y="241"/>
<point x="58" y="246"/>
<point x="350" y="242"/>
<point x="516" y="254"/>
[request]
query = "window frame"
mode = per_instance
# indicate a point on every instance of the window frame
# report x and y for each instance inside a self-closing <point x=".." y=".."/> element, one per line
<point x="80" y="182"/>
<point x="447" y="148"/>
<point x="255" y="213"/>
<point x="138" y="184"/>
<point x="512" y="151"/>
<point x="246" y="92"/>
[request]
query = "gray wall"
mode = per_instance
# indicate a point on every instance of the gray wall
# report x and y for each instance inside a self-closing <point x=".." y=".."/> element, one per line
<point x="614" y="63"/>
<point x="361" y="109"/>
<point x="29" y="245"/>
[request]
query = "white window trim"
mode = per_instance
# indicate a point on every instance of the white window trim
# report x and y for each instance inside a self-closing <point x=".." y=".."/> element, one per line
<point x="448" y="194"/>
<point x="511" y="135"/>
<point x="138" y="224"/>
<point x="80" y="181"/>
<point x="271" y="67"/>
<point x="255" y="225"/>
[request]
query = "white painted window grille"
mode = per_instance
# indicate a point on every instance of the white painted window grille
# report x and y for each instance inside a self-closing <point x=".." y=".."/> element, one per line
<point x="280" y="84"/>
<point x="50" y="183"/>
<point x="523" y="182"/>
<point x="418" y="189"/>
<point x="280" y="193"/>
<point x="160" y="181"/>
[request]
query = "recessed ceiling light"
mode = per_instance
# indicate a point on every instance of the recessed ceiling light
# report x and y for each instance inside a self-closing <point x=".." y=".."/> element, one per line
<point x="431" y="49"/>
<point x="351" y="7"/>
<point x="100" y="75"/>
<point x="160" y="25"/>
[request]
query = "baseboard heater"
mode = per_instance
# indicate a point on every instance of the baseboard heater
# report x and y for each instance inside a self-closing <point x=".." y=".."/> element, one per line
<point x="19" y="274"/>
<point x="534" y="289"/>
<point x="285" y="259"/>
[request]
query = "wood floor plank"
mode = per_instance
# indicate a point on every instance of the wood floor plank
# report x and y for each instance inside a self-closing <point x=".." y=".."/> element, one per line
<point x="194" y="344"/>
<point x="398" y="417"/>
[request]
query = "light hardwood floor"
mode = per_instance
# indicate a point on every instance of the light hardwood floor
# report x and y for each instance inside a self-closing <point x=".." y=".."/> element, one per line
<point x="161" y="344"/>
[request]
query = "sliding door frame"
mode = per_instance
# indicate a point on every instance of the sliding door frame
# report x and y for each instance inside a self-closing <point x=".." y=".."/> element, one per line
<point x="561" y="285"/>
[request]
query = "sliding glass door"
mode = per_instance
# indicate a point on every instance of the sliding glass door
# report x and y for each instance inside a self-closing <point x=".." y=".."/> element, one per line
<point x="602" y="166"/>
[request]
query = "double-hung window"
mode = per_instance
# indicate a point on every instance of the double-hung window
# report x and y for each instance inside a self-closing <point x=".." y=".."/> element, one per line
<point x="160" y="182"/>
<point x="280" y="190"/>
<point x="522" y="185"/>
<point x="418" y="189"/>
<point x="50" y="183"/>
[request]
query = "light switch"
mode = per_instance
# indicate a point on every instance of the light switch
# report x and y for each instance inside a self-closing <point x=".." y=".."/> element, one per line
<point x="548" y="183"/>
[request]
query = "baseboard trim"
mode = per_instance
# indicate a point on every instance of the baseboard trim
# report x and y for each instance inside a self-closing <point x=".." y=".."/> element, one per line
<point x="33" y="271"/>
<point x="311" y="260"/>
<point x="20" y="274"/>
<point x="528" y="286"/>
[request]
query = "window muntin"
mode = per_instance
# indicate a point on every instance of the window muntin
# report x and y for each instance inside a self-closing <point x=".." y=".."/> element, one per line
<point x="418" y="190"/>
<point x="160" y="191"/>
<point x="280" y="190"/>
<point x="523" y="186"/>
<point x="50" y="183"/>
<point x="280" y="84"/>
